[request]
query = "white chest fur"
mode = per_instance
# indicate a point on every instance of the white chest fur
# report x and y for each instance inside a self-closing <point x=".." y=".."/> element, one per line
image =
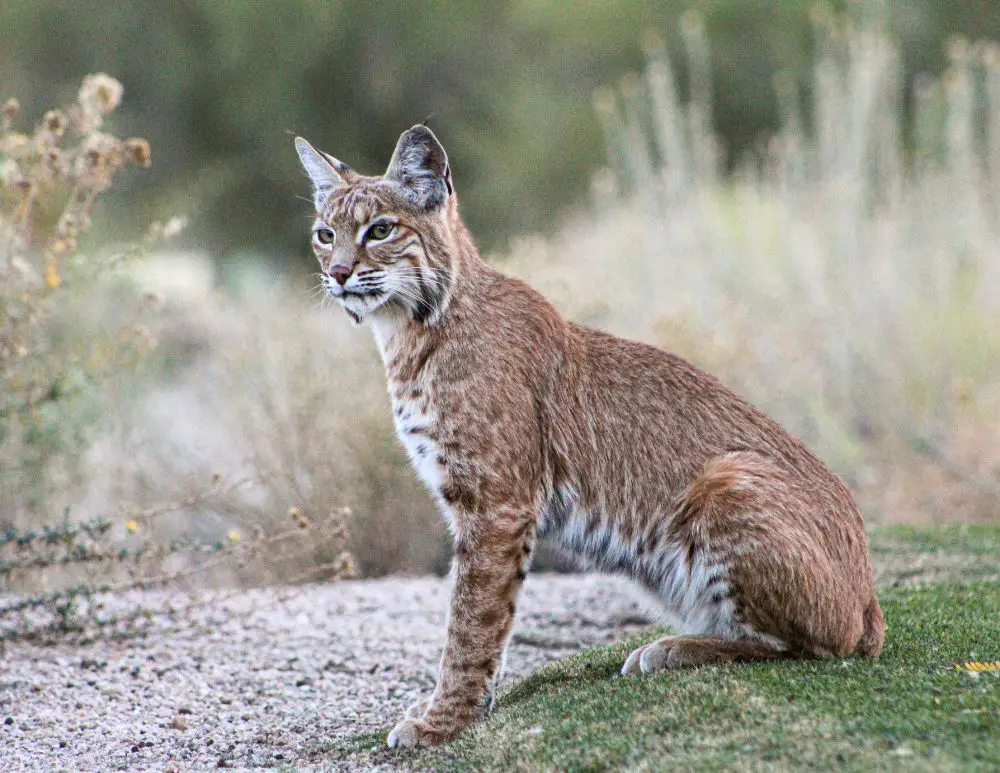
<point x="416" y="422"/>
<point x="412" y="412"/>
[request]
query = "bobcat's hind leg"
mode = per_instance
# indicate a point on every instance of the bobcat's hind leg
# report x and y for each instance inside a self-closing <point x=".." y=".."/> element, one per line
<point x="679" y="651"/>
<point x="770" y="566"/>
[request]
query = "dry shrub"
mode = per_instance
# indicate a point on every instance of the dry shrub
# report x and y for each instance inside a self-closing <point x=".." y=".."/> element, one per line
<point x="72" y="342"/>
<point x="50" y="179"/>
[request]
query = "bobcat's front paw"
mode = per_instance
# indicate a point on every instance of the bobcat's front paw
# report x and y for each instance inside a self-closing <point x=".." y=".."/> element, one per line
<point x="412" y="732"/>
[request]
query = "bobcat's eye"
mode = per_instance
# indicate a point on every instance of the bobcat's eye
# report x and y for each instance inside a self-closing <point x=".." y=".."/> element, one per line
<point x="325" y="235"/>
<point x="380" y="231"/>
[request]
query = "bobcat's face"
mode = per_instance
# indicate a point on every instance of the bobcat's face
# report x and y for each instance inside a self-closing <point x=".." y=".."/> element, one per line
<point x="378" y="239"/>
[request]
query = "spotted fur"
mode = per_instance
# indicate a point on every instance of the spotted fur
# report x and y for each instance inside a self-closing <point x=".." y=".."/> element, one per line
<point x="524" y="425"/>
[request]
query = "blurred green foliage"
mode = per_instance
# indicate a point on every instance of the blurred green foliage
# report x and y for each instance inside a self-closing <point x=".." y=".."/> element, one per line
<point x="507" y="85"/>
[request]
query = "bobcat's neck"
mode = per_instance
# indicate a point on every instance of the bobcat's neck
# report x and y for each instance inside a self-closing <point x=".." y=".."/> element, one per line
<point x="399" y="336"/>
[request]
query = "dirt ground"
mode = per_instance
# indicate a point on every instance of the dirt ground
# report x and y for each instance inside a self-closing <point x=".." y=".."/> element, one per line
<point x="269" y="678"/>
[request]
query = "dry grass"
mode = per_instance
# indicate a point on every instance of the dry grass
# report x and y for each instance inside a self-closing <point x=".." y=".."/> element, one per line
<point x="843" y="279"/>
<point x="271" y="389"/>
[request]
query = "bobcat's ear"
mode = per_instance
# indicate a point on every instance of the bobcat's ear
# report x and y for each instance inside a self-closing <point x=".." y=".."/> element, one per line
<point x="327" y="173"/>
<point x="420" y="166"/>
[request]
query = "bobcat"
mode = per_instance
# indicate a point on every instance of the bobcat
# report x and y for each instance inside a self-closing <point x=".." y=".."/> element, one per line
<point x="524" y="425"/>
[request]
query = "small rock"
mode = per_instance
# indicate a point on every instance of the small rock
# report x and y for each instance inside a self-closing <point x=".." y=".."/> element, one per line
<point x="179" y="722"/>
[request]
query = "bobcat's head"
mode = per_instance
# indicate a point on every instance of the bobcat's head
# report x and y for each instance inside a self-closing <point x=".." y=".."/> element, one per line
<point x="386" y="242"/>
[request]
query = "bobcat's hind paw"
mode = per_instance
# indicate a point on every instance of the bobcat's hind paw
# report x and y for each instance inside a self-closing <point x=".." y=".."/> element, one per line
<point x="674" y="652"/>
<point x="634" y="664"/>
<point x="412" y="732"/>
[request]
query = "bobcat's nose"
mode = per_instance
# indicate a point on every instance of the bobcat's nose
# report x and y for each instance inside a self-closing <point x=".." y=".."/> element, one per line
<point x="340" y="273"/>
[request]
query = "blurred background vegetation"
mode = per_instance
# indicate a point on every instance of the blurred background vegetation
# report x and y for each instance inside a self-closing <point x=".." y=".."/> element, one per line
<point x="803" y="200"/>
<point x="508" y="86"/>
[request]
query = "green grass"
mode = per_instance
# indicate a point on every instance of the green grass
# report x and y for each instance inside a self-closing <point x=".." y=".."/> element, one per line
<point x="909" y="709"/>
<point x="971" y="539"/>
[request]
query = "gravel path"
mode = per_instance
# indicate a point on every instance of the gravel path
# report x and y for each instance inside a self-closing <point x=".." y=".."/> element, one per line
<point x="269" y="678"/>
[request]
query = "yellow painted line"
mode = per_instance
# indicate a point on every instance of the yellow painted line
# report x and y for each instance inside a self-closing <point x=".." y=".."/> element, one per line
<point x="978" y="666"/>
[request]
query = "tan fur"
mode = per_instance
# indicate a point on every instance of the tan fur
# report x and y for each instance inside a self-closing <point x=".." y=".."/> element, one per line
<point x="524" y="425"/>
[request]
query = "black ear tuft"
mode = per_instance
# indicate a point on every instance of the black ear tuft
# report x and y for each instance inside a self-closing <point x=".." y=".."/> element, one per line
<point x="420" y="166"/>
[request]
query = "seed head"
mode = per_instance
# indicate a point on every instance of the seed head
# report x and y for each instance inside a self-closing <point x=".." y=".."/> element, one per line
<point x="346" y="561"/>
<point x="54" y="123"/>
<point x="10" y="109"/>
<point x="100" y="93"/>
<point x="8" y="113"/>
<point x="100" y="155"/>
<point x="137" y="151"/>
<point x="54" y="163"/>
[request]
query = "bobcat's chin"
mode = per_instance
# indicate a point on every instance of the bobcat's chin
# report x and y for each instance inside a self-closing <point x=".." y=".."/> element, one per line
<point x="358" y="306"/>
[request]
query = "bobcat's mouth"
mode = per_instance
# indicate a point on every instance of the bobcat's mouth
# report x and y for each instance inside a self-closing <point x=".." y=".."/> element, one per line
<point x="358" y="299"/>
<point x="341" y="293"/>
<point x="367" y="300"/>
